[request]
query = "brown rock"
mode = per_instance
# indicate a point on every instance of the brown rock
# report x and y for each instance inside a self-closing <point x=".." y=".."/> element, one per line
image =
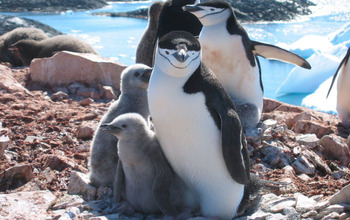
<point x="334" y="148"/>
<point x="8" y="82"/>
<point x="69" y="67"/>
<point x="56" y="162"/>
<point x="108" y="93"/>
<point x="59" y="96"/>
<point x="79" y="184"/>
<point x="85" y="131"/>
<point x="4" y="141"/>
<point x="15" y="177"/>
<point x="86" y="102"/>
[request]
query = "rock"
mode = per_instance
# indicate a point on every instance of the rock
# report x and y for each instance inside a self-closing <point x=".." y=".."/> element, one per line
<point x="269" y="123"/>
<point x="85" y="131"/>
<point x="86" y="102"/>
<point x="71" y="213"/>
<point x="15" y="177"/>
<point x="108" y="93"/>
<point x="322" y="205"/>
<point x="316" y="161"/>
<point x="334" y="148"/>
<point x="68" y="201"/>
<point x="8" y="83"/>
<point x="59" y="96"/>
<point x="303" y="203"/>
<point x="57" y="162"/>
<point x="283" y="204"/>
<point x="88" y="92"/>
<point x="330" y="209"/>
<point x="259" y="215"/>
<point x="303" y="165"/>
<point x="79" y="184"/>
<point x="26" y="205"/>
<point x="276" y="153"/>
<point x="70" y="67"/>
<point x="309" y="140"/>
<point x="4" y="141"/>
<point x="343" y="196"/>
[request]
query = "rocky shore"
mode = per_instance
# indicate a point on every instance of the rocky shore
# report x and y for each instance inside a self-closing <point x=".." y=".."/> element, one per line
<point x="246" y="11"/>
<point x="46" y="130"/>
<point x="50" y="5"/>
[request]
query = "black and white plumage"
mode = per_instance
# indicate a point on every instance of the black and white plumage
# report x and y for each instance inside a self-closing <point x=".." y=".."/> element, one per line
<point x="343" y="89"/>
<point x="197" y="126"/>
<point x="231" y="55"/>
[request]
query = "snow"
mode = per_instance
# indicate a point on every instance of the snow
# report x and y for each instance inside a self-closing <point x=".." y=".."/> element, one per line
<point x="324" y="53"/>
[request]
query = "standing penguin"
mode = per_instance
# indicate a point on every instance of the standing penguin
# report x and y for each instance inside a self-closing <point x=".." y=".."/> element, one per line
<point x="231" y="55"/>
<point x="197" y="126"/>
<point x="343" y="89"/>
<point x="144" y="178"/>
<point x="145" y="48"/>
<point x="133" y="98"/>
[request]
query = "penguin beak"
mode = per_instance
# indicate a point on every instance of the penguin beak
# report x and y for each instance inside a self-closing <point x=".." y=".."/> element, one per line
<point x="181" y="55"/>
<point x="110" y="129"/>
<point x="146" y="75"/>
<point x="191" y="8"/>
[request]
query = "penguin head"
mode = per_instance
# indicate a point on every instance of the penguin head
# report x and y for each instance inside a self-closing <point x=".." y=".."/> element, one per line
<point x="126" y="126"/>
<point x="211" y="12"/>
<point x="178" y="54"/>
<point x="135" y="76"/>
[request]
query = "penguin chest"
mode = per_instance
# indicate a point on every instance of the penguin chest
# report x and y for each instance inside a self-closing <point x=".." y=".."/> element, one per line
<point x="225" y="55"/>
<point x="343" y="90"/>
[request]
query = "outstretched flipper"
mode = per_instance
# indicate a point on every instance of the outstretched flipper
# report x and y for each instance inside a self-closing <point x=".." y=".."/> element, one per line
<point x="272" y="52"/>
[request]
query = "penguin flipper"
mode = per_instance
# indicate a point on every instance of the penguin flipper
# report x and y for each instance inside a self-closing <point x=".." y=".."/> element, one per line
<point x="272" y="52"/>
<point x="336" y="72"/>
<point x="118" y="184"/>
<point x="233" y="147"/>
<point x="162" y="182"/>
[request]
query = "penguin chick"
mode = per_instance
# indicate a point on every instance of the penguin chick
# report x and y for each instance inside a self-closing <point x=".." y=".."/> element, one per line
<point x="144" y="178"/>
<point x="198" y="128"/>
<point x="133" y="98"/>
<point x="145" y="48"/>
<point x="11" y="37"/>
<point x="27" y="50"/>
<point x="231" y="55"/>
<point x="343" y="89"/>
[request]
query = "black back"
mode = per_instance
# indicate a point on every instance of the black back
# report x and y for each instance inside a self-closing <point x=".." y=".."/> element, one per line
<point x="173" y="18"/>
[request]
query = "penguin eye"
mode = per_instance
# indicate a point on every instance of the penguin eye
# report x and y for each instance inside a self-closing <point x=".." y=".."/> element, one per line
<point x="124" y="126"/>
<point x="167" y="52"/>
<point x="212" y="9"/>
<point x="137" y="74"/>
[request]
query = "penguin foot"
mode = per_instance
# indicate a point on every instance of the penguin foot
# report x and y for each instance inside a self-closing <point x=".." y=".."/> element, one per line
<point x="124" y="208"/>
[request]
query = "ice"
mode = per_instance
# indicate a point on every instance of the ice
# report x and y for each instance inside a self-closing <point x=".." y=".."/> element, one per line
<point x="318" y="100"/>
<point x="307" y="81"/>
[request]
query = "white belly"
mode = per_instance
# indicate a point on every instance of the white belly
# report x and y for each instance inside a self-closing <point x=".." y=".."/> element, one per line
<point x="343" y="93"/>
<point x="224" y="54"/>
<point x="192" y="144"/>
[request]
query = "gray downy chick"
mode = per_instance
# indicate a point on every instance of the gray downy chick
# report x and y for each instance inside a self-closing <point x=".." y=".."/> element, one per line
<point x="144" y="178"/>
<point x="133" y="98"/>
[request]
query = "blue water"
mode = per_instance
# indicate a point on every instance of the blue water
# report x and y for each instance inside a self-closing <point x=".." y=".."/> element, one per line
<point x="118" y="37"/>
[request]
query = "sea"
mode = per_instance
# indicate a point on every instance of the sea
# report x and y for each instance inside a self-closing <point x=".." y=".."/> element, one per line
<point x="312" y="37"/>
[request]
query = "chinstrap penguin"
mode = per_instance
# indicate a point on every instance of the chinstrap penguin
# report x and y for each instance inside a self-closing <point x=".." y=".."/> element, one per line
<point x="27" y="50"/>
<point x="343" y="89"/>
<point x="144" y="178"/>
<point x="11" y="37"/>
<point x="231" y="55"/>
<point x="133" y="98"/>
<point x="145" y="48"/>
<point x="197" y="126"/>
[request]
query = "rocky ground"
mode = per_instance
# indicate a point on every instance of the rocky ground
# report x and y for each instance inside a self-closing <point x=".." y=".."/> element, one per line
<point x="45" y="134"/>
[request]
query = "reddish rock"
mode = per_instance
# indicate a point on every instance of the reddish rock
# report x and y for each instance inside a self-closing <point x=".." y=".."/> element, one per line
<point x="8" y="82"/>
<point x="86" y="102"/>
<point x="59" y="96"/>
<point x="335" y="148"/>
<point x="86" y="131"/>
<point x="56" y="162"/>
<point x="69" y="67"/>
<point x="15" y="177"/>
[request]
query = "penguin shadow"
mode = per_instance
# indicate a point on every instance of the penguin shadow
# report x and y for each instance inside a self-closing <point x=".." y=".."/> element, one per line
<point x="343" y="129"/>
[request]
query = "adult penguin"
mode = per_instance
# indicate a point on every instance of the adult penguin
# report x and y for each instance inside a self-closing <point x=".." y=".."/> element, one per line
<point x="197" y="126"/>
<point x="231" y="55"/>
